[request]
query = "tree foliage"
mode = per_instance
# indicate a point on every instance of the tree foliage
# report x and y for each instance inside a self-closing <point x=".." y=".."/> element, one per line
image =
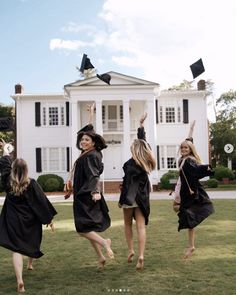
<point x="223" y="131"/>
<point x="7" y="111"/>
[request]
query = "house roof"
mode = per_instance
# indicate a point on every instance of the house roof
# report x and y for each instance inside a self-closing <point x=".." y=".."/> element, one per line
<point x="117" y="79"/>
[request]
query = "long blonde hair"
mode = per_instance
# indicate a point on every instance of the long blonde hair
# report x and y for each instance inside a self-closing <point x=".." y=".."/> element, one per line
<point x="19" y="179"/>
<point x="143" y="155"/>
<point x="193" y="153"/>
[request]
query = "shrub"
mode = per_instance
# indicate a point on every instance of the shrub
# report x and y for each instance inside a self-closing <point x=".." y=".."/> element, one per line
<point x="165" y="179"/>
<point x="52" y="185"/>
<point x="223" y="172"/>
<point x="212" y="182"/>
<point x="43" y="178"/>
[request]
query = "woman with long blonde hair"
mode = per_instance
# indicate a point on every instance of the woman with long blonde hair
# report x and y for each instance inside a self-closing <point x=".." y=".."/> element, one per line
<point x="195" y="205"/>
<point x="24" y="211"/>
<point x="135" y="189"/>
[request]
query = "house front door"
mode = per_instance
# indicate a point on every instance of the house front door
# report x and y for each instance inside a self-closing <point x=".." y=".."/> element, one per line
<point x="112" y="159"/>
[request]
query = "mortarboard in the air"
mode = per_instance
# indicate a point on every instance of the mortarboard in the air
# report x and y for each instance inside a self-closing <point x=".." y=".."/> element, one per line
<point x="105" y="78"/>
<point x="85" y="64"/>
<point x="197" y="68"/>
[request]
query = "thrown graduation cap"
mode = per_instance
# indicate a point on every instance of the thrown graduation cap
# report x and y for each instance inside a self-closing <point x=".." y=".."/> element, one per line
<point x="197" y="68"/>
<point x="85" y="64"/>
<point x="105" y="78"/>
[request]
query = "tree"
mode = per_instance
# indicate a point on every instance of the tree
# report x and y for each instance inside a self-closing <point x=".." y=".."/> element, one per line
<point x="7" y="112"/>
<point x="223" y="131"/>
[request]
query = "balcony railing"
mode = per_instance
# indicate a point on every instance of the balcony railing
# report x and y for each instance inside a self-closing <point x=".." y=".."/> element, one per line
<point x="117" y="125"/>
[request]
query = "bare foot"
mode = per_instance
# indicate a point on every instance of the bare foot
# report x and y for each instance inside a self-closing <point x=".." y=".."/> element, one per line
<point x="140" y="263"/>
<point x="101" y="263"/>
<point x="107" y="246"/>
<point x="130" y="257"/>
<point x="20" y="287"/>
<point x="30" y="266"/>
<point x="188" y="253"/>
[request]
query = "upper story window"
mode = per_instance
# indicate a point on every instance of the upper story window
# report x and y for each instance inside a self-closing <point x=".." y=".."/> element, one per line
<point x="170" y="112"/>
<point x="53" y="114"/>
<point x="112" y="117"/>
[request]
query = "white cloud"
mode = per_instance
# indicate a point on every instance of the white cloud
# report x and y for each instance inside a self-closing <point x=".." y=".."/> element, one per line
<point x="165" y="37"/>
<point x="66" y="44"/>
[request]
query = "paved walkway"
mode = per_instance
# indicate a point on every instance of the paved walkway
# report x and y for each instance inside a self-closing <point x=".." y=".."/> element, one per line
<point x="163" y="195"/>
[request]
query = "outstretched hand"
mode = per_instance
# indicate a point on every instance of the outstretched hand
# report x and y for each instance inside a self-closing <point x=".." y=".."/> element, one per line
<point x="143" y="118"/>
<point x="51" y="224"/>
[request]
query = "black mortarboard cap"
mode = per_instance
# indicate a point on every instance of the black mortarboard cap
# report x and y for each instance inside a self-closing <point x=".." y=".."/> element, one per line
<point x="6" y="124"/>
<point x="85" y="64"/>
<point x="105" y="78"/>
<point x="197" y="68"/>
<point x="100" y="142"/>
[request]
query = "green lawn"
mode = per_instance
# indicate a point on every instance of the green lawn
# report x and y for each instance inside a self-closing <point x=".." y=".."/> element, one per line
<point x="69" y="265"/>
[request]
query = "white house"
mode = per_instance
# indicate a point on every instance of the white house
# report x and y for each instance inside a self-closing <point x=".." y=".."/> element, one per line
<point x="47" y="124"/>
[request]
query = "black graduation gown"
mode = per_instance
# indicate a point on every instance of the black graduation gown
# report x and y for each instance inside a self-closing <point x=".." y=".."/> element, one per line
<point x="136" y="185"/>
<point x="89" y="215"/>
<point x="22" y="216"/>
<point x="195" y="207"/>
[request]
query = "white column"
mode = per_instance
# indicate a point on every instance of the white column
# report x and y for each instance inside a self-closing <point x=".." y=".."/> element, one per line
<point x="75" y="119"/>
<point x="126" y="131"/>
<point x="150" y="127"/>
<point x="99" y="128"/>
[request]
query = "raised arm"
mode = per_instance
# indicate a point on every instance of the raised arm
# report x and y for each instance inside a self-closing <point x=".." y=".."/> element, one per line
<point x="141" y="132"/>
<point x="90" y="109"/>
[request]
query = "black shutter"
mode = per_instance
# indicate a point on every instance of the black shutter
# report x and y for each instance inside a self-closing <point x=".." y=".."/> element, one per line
<point x="38" y="160"/>
<point x="37" y="114"/>
<point x="158" y="158"/>
<point x="67" y="113"/>
<point x="185" y="111"/>
<point x="68" y="159"/>
<point x="156" y="111"/>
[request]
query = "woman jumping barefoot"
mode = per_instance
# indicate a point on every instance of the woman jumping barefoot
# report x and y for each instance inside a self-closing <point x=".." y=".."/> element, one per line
<point x="134" y="198"/>
<point x="90" y="209"/>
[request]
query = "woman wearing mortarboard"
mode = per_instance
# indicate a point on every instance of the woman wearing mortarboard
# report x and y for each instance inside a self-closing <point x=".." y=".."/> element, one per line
<point x="195" y="204"/>
<point x="90" y="208"/>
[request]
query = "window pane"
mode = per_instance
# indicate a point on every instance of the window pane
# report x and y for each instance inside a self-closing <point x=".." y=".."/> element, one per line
<point x="53" y="159"/>
<point x="53" y="115"/>
<point x="112" y="114"/>
<point x="62" y="116"/>
<point x="170" y="115"/>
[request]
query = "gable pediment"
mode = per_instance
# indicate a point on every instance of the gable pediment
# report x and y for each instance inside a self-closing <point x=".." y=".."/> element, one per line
<point x="117" y="79"/>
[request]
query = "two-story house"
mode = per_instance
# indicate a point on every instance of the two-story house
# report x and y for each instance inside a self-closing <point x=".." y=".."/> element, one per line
<point x="47" y="124"/>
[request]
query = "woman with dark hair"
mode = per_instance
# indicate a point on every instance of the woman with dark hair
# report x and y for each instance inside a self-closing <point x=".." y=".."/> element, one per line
<point x="24" y="211"/>
<point x="134" y="197"/>
<point x="90" y="208"/>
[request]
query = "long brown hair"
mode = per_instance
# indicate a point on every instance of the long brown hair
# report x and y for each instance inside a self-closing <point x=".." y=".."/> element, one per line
<point x="19" y="179"/>
<point x="143" y="155"/>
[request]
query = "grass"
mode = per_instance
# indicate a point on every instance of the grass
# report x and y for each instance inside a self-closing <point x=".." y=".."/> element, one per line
<point x="69" y="264"/>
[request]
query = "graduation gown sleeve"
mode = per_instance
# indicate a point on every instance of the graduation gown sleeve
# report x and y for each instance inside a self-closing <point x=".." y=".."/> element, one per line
<point x="5" y="170"/>
<point x="39" y="203"/>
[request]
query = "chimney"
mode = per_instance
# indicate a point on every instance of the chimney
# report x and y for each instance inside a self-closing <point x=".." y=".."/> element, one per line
<point x="18" y="89"/>
<point x="201" y="85"/>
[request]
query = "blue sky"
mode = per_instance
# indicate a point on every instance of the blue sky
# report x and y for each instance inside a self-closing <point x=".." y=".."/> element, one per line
<point x="42" y="41"/>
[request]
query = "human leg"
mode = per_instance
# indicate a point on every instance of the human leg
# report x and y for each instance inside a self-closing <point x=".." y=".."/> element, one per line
<point x="106" y="243"/>
<point x="17" y="260"/>
<point x="191" y="243"/>
<point x="141" y="232"/>
<point x="128" y="218"/>
<point x="98" y="250"/>
<point x="30" y="263"/>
